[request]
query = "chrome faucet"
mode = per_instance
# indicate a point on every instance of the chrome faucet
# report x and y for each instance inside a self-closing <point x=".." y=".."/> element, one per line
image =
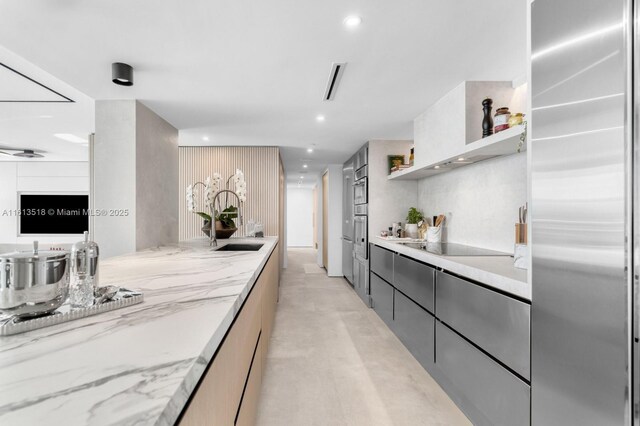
<point x="213" y="241"/>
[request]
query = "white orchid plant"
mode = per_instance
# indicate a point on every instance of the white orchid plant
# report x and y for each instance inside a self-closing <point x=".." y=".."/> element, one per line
<point x="213" y="185"/>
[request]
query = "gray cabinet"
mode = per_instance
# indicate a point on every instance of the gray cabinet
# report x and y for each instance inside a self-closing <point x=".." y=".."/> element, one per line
<point x="347" y="260"/>
<point x="382" y="262"/>
<point x="497" y="323"/>
<point x="347" y="200"/>
<point x="361" y="159"/>
<point x="416" y="280"/>
<point x="361" y="279"/>
<point x="415" y="328"/>
<point x="382" y="299"/>
<point x="487" y="393"/>
<point x="463" y="333"/>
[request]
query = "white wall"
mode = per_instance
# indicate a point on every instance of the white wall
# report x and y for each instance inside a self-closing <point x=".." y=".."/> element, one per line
<point x="480" y="201"/>
<point x="40" y="176"/>
<point x="157" y="193"/>
<point x="115" y="176"/>
<point x="299" y="216"/>
<point x="135" y="168"/>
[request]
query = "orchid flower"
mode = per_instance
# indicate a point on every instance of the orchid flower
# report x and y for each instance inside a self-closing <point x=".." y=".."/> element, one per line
<point x="241" y="185"/>
<point x="209" y="191"/>
<point x="191" y="198"/>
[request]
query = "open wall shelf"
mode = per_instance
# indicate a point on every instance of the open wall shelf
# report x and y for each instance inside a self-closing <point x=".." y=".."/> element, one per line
<point x="497" y="145"/>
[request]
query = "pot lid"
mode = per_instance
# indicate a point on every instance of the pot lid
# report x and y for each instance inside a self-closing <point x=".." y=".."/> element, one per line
<point x="33" y="256"/>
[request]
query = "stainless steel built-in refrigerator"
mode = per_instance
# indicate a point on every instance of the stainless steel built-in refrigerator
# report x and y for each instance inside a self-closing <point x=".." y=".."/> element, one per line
<point x="583" y="191"/>
<point x="347" y="220"/>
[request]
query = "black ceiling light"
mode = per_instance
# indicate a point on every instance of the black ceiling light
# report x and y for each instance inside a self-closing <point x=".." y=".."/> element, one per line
<point x="28" y="153"/>
<point x="122" y="74"/>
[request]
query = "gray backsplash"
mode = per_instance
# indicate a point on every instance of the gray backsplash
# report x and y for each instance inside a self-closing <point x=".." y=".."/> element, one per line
<point x="480" y="201"/>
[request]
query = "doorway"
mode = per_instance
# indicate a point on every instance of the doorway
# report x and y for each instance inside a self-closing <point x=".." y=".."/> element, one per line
<point x="325" y="219"/>
<point x="300" y="221"/>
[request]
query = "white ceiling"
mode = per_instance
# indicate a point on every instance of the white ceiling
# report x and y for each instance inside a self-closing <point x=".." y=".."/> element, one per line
<point x="254" y="73"/>
<point x="41" y="112"/>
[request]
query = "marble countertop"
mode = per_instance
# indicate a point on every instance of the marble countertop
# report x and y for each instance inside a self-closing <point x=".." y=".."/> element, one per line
<point x="494" y="271"/>
<point x="137" y="365"/>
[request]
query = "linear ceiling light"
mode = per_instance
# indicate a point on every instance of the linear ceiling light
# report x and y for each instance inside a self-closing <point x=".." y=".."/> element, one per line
<point x="335" y="75"/>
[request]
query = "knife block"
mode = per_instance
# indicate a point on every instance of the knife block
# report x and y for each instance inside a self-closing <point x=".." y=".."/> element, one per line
<point x="521" y="233"/>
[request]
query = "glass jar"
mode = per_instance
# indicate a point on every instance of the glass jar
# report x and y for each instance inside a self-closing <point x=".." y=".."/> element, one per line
<point x="501" y="119"/>
<point x="516" y="119"/>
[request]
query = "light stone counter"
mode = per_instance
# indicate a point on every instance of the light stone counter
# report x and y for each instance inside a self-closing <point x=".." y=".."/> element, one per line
<point x="136" y="365"/>
<point x="494" y="271"/>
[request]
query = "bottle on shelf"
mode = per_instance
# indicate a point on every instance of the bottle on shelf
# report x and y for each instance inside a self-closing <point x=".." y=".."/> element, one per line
<point x="487" y="121"/>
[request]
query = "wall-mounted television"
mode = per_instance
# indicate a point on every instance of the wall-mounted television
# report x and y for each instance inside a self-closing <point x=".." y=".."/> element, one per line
<point x="53" y="214"/>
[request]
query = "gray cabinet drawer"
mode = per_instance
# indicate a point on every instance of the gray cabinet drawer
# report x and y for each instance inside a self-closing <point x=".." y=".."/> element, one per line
<point x="382" y="299"/>
<point x="486" y="392"/>
<point x="497" y="323"/>
<point x="361" y="280"/>
<point x="381" y="262"/>
<point x="415" y="280"/>
<point x="415" y="328"/>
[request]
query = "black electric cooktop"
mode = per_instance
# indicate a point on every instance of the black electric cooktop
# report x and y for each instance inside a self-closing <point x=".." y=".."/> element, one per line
<point x="452" y="249"/>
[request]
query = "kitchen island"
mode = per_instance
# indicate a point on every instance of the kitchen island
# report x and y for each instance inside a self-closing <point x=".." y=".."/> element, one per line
<point x="138" y="365"/>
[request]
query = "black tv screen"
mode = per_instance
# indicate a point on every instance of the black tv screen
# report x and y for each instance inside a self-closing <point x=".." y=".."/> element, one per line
<point x="54" y="214"/>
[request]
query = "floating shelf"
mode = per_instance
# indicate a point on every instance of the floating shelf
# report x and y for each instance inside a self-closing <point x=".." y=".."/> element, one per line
<point x="497" y="145"/>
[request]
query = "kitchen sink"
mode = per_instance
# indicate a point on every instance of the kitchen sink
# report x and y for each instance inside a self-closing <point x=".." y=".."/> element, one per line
<point x="240" y="247"/>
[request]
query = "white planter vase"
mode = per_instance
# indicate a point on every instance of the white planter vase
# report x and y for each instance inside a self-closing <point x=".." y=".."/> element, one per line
<point x="411" y="229"/>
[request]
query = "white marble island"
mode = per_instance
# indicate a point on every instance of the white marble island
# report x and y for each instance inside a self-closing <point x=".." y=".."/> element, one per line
<point x="138" y="365"/>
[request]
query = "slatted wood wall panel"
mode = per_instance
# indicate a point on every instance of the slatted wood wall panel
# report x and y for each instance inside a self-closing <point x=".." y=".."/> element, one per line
<point x="261" y="167"/>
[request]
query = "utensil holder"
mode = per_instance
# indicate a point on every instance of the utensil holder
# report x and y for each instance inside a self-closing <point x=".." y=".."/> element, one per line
<point x="434" y="234"/>
<point x="521" y="233"/>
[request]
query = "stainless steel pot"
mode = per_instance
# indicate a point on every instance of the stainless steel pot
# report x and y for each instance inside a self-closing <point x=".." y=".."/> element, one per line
<point x="33" y="283"/>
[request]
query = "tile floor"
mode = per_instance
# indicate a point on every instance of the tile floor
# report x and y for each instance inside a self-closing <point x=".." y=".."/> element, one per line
<point x="332" y="361"/>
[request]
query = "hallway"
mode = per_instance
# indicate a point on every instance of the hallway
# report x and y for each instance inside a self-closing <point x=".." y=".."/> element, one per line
<point x="332" y="361"/>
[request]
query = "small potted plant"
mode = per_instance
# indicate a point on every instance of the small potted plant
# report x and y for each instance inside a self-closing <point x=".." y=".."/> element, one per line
<point x="413" y="217"/>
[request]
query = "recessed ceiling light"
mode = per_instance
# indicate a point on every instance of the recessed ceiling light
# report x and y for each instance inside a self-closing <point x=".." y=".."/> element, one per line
<point x="301" y="177"/>
<point x="70" y="138"/>
<point x="205" y="138"/>
<point x="309" y="150"/>
<point x="461" y="159"/>
<point x="304" y="166"/>
<point x="352" y="21"/>
<point x="320" y="118"/>
<point x="436" y="167"/>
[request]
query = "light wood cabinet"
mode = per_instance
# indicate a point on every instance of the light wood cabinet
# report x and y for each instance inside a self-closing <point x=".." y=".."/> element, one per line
<point x="229" y="391"/>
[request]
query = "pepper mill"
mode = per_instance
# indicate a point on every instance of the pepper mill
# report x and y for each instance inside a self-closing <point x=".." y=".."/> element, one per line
<point x="487" y="121"/>
<point x="84" y="272"/>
